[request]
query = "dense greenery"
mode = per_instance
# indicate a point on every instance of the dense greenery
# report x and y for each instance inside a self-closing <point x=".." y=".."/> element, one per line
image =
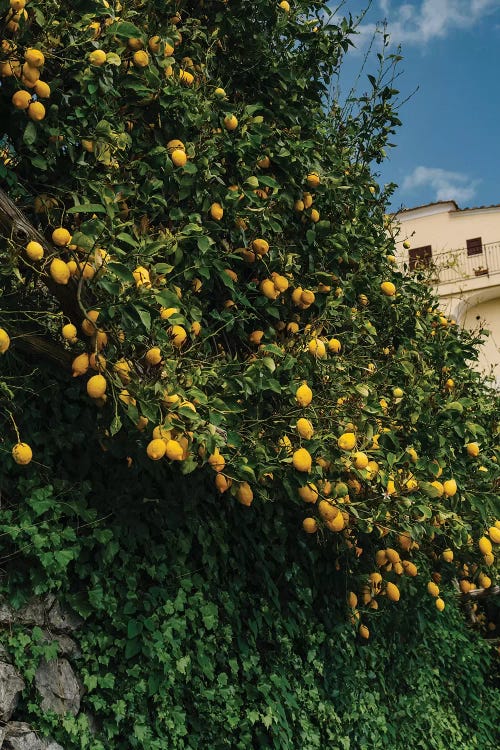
<point x="191" y="179"/>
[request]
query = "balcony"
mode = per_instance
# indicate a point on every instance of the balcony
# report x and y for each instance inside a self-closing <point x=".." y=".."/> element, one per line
<point x="456" y="266"/>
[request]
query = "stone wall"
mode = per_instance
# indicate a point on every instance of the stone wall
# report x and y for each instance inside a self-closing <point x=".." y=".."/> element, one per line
<point x="56" y="682"/>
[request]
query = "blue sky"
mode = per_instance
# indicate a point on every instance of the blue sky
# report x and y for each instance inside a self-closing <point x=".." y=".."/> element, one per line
<point x="449" y="144"/>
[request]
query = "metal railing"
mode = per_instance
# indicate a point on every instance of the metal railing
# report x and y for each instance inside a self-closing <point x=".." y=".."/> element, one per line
<point x="453" y="266"/>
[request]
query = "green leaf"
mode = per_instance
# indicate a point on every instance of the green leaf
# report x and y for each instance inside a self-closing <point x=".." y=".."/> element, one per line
<point x="87" y="208"/>
<point x="125" y="30"/>
<point x="120" y="271"/>
<point x="30" y="133"/>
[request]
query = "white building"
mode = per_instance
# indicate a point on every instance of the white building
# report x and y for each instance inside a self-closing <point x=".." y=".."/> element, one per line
<point x="461" y="247"/>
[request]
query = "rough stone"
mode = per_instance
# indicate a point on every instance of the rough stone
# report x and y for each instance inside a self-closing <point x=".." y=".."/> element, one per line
<point x="20" y="736"/>
<point x="56" y="682"/>
<point x="33" y="613"/>
<point x="60" y="619"/>
<point x="11" y="685"/>
<point x="66" y="645"/>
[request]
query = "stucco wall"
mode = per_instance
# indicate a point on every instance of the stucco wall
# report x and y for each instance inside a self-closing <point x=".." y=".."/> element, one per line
<point x="487" y="315"/>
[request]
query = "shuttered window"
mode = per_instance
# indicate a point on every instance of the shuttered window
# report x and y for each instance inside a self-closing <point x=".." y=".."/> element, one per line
<point x="420" y="257"/>
<point x="475" y="246"/>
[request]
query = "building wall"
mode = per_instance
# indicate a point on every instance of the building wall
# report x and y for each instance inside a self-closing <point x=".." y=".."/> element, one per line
<point x="474" y="301"/>
<point x="449" y="229"/>
<point x="486" y="315"/>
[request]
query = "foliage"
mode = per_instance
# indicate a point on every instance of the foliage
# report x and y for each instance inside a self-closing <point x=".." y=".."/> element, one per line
<point x="210" y="624"/>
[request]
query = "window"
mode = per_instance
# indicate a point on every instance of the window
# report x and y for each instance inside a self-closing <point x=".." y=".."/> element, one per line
<point x="475" y="246"/>
<point x="420" y="257"/>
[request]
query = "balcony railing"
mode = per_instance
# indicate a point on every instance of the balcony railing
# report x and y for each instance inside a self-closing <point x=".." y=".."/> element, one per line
<point x="454" y="266"/>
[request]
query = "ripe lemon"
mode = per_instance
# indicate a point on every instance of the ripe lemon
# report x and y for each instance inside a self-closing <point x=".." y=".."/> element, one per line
<point x="438" y="486"/>
<point x="398" y="392"/>
<point x="80" y="364"/>
<point x="392" y="555"/>
<point x="21" y="99"/>
<point x="432" y="589"/>
<point x="169" y="50"/>
<point x="4" y="341"/>
<point x="260" y="246"/>
<point x="34" y="251"/>
<point x="186" y="77"/>
<point x="307" y="297"/>
<point x="59" y="271"/>
<point x="364" y="632"/>
<point x="317" y="348"/>
<point x="410" y="568"/>
<point x="178" y="336"/>
<point x="196" y="328"/>
<point x="308" y="493"/>
<point x="302" y="460"/>
<point x="34" y="57"/>
<point x="440" y="605"/>
<point x="216" y="211"/>
<point x="305" y="428"/>
<point x="88" y="326"/>
<point x="334" y="346"/>
<point x="230" y="122"/>
<point x="97" y="58"/>
<point x="484" y="545"/>
<point x="69" y="332"/>
<point x="156" y="449"/>
<point x="268" y="289"/>
<point x="337" y="524"/>
<point x="313" y="180"/>
<point x="310" y="525"/>
<point x="141" y="276"/>
<point x="222" y="483"/>
<point x="179" y="157"/>
<point x="22" y="453"/>
<point x="153" y="356"/>
<point x="303" y="395"/>
<point x="244" y="494"/>
<point x="217" y="461"/>
<point x="447" y="555"/>
<point x="360" y="460"/>
<point x="174" y="450"/>
<point x="220" y="93"/>
<point x="327" y="511"/>
<point x="255" y="337"/>
<point x="352" y="600"/>
<point x="96" y="386"/>
<point x="285" y="5"/>
<point x="61" y="237"/>
<point x="472" y="449"/>
<point x="392" y="592"/>
<point x="36" y="111"/>
<point x="347" y="441"/>
<point x="154" y="44"/>
<point x="140" y="59"/>
<point x="494" y="534"/>
<point x="388" y="288"/>
<point x="134" y="43"/>
<point x="450" y="487"/>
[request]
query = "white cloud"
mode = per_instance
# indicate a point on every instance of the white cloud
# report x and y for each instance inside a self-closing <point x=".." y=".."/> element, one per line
<point x="445" y="185"/>
<point x="419" y="22"/>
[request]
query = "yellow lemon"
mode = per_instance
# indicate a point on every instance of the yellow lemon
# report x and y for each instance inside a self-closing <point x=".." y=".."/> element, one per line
<point x="230" y="122"/>
<point x="97" y="58"/>
<point x="153" y="356"/>
<point x="440" y="605"/>
<point x="96" y="386"/>
<point x="303" y="395"/>
<point x="244" y="494"/>
<point x="216" y="211"/>
<point x="472" y="449"/>
<point x="302" y="460"/>
<point x="34" y="251"/>
<point x="317" y="348"/>
<point x="140" y="59"/>
<point x="22" y="453"/>
<point x="388" y="288"/>
<point x="179" y="157"/>
<point x="4" y="340"/>
<point x="178" y="336"/>
<point x="217" y="461"/>
<point x="450" y="487"/>
<point x="222" y="483"/>
<point x="313" y="180"/>
<point x="484" y="545"/>
<point x="61" y="237"/>
<point x="156" y="449"/>
<point x="360" y="460"/>
<point x="310" y="525"/>
<point x="447" y="555"/>
<point x="305" y="428"/>
<point x="494" y="534"/>
<point x="308" y="493"/>
<point x="80" y="364"/>
<point x="174" y="450"/>
<point x="334" y="346"/>
<point x="347" y="441"/>
<point x="392" y="592"/>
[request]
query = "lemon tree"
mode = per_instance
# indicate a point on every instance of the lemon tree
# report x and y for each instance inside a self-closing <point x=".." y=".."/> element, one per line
<point x="196" y="251"/>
